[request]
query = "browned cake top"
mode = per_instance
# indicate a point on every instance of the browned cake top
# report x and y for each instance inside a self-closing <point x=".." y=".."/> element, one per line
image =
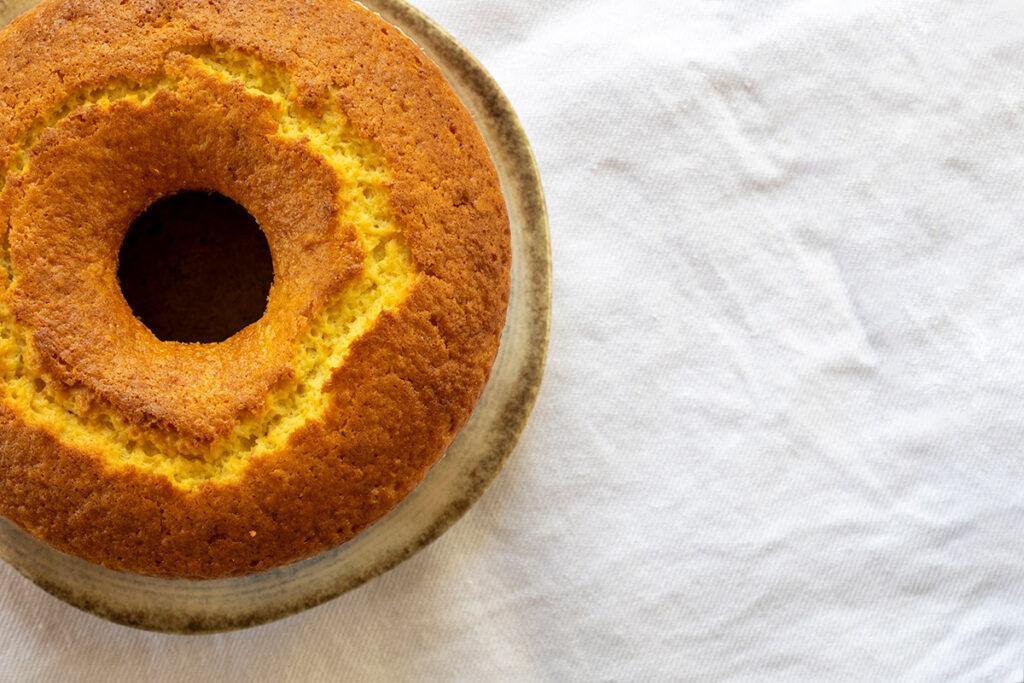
<point x="389" y="241"/>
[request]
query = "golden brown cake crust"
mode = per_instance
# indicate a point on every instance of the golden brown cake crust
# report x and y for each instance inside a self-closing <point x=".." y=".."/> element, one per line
<point x="82" y="158"/>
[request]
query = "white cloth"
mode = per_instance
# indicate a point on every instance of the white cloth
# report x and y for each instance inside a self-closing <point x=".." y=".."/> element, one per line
<point x="781" y="432"/>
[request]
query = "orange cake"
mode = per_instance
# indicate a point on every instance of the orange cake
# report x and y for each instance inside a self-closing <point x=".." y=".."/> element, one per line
<point x="389" y="241"/>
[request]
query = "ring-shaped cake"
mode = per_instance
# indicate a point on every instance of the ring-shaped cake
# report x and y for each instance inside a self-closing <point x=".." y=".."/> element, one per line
<point x="390" y="250"/>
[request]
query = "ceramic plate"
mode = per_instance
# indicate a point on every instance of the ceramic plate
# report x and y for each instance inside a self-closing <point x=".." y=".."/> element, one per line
<point x="453" y="484"/>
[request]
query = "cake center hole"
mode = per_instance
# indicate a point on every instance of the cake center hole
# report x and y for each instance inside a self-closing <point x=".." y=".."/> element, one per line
<point x="195" y="267"/>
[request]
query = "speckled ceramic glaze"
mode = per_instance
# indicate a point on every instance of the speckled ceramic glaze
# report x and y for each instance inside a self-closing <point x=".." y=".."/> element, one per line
<point x="453" y="484"/>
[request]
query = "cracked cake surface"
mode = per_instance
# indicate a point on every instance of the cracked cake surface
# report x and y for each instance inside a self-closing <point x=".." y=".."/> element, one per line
<point x="390" y="248"/>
